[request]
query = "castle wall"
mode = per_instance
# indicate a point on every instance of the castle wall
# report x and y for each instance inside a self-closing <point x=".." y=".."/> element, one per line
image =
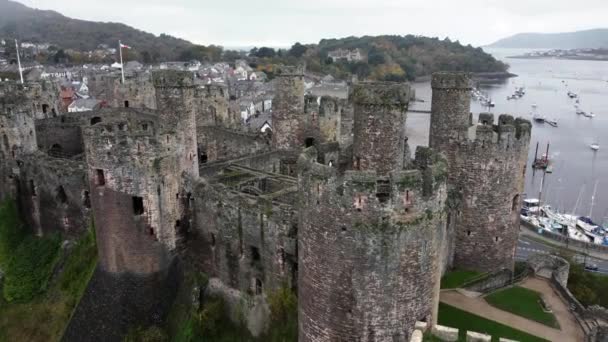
<point x="176" y="104"/>
<point x="379" y="127"/>
<point x="124" y="163"/>
<point x="53" y="194"/>
<point x="247" y="241"/>
<point x="138" y="91"/>
<point x="216" y="143"/>
<point x="61" y="135"/>
<point x="214" y="109"/>
<point x="288" y="116"/>
<point x="486" y="174"/>
<point x="368" y="250"/>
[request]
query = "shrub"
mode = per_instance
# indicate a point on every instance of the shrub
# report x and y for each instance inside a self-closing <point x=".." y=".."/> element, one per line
<point x="11" y="231"/>
<point x="30" y="267"/>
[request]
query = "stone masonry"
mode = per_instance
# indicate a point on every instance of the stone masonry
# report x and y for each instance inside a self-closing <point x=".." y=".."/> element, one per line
<point x="328" y="204"/>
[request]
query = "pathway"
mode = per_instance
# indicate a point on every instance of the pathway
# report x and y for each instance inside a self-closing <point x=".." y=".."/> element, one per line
<point x="570" y="331"/>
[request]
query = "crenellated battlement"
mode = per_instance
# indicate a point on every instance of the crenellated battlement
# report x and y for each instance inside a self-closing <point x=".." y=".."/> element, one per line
<point x="451" y="81"/>
<point x="407" y="191"/>
<point x="381" y="93"/>
<point x="172" y="79"/>
<point x="507" y="135"/>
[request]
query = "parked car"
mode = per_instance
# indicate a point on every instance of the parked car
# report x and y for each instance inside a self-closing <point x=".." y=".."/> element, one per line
<point x="591" y="267"/>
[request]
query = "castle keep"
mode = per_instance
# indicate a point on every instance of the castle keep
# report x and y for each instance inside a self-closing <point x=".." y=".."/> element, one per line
<point x="330" y="204"/>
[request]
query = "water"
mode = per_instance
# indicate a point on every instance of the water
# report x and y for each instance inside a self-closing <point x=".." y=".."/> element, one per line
<point x="576" y="168"/>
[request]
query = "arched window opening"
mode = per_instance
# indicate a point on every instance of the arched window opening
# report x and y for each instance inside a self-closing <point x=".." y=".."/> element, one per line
<point x="86" y="200"/>
<point x="258" y="286"/>
<point x="126" y="104"/>
<point x="309" y="142"/>
<point x="45" y="108"/>
<point x="95" y="120"/>
<point x="62" y="197"/>
<point x="100" y="177"/>
<point x="138" y="205"/>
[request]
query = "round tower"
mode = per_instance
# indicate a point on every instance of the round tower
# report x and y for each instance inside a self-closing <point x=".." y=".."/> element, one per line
<point x="369" y="249"/>
<point x="288" y="117"/>
<point x="451" y="108"/>
<point x="490" y="168"/>
<point x="379" y="128"/>
<point x="176" y="104"/>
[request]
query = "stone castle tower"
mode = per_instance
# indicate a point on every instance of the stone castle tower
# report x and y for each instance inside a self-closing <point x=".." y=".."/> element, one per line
<point x="136" y="162"/>
<point x="486" y="174"/>
<point x="370" y="238"/>
<point x="288" y="117"/>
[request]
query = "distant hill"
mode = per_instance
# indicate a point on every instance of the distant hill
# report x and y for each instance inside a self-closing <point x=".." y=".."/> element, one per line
<point x="386" y="58"/>
<point x="597" y="38"/>
<point x="39" y="26"/>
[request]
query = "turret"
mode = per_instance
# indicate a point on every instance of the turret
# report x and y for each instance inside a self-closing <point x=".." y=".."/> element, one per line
<point x="288" y="117"/>
<point x="369" y="249"/>
<point x="451" y="107"/>
<point x="379" y="129"/>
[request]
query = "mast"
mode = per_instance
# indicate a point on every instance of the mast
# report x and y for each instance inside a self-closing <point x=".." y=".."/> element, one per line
<point x="536" y="153"/>
<point x="593" y="198"/>
<point x="122" y="67"/>
<point x="19" y="61"/>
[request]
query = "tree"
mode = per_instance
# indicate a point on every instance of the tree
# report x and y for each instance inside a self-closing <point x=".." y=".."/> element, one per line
<point x="297" y="50"/>
<point x="265" y="52"/>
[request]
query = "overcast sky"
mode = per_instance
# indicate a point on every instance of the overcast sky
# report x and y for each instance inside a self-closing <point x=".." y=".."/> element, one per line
<point x="234" y="23"/>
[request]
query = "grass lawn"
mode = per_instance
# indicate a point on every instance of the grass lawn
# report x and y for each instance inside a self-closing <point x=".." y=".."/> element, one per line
<point x="452" y="317"/>
<point x="456" y="278"/>
<point x="45" y="316"/>
<point x="522" y="302"/>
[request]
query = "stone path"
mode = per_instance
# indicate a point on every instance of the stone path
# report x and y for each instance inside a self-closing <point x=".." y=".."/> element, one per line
<point x="570" y="330"/>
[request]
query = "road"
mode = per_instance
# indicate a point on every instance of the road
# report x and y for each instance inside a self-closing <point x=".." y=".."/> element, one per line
<point x="527" y="247"/>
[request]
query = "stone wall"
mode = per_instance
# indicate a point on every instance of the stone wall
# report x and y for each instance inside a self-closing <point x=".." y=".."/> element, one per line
<point x="136" y="92"/>
<point x="214" y="107"/>
<point x="379" y="130"/>
<point x="216" y="143"/>
<point x="53" y="194"/>
<point x="486" y="174"/>
<point x="288" y="117"/>
<point x="368" y="250"/>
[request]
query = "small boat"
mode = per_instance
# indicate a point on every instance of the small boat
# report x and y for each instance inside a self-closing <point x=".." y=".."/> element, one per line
<point x="539" y="118"/>
<point x="595" y="146"/>
<point x="572" y="95"/>
<point x="534" y="105"/>
<point x="551" y="122"/>
<point x="588" y="115"/>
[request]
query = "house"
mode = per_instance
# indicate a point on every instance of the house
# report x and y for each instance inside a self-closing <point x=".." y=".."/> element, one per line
<point x="247" y="107"/>
<point x="52" y="72"/>
<point x="347" y="55"/>
<point x="84" y="105"/>
<point x="67" y="96"/>
<point x="259" y="122"/>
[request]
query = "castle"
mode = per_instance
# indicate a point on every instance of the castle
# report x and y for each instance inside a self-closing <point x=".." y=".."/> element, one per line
<point x="331" y="205"/>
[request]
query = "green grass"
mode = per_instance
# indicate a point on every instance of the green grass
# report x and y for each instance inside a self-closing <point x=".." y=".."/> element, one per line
<point x="457" y="278"/>
<point x="452" y="317"/>
<point x="522" y="302"/>
<point x="41" y="304"/>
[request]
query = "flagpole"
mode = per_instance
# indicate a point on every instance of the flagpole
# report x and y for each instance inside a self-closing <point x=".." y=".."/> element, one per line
<point x="122" y="67"/>
<point x="19" y="61"/>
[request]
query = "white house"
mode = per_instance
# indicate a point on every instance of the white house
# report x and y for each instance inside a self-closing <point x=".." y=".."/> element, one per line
<point x="84" y="105"/>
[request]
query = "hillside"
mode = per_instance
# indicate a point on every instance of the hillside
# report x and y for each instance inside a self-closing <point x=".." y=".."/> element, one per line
<point x="386" y="58"/>
<point x="597" y="38"/>
<point x="38" y="26"/>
